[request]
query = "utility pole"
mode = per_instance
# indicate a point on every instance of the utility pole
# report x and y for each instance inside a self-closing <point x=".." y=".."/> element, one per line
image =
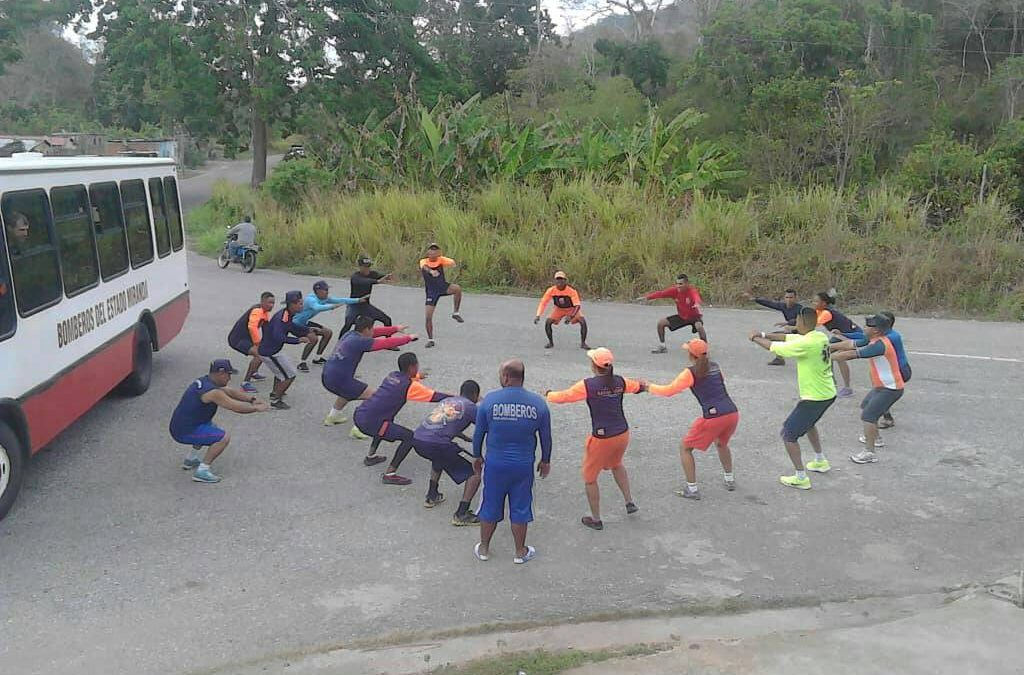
<point x="538" y="26"/>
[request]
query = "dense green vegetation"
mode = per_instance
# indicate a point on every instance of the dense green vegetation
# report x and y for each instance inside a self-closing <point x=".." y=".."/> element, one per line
<point x="891" y="130"/>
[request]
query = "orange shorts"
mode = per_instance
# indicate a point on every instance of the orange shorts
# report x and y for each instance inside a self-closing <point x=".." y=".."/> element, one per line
<point x="559" y="314"/>
<point x="708" y="430"/>
<point x="603" y="453"/>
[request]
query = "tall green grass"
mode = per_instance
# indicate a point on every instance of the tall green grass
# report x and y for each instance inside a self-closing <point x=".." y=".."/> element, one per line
<point x="877" y="249"/>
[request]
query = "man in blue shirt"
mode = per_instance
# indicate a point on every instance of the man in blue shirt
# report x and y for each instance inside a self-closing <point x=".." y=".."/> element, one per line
<point x="320" y="300"/>
<point x="192" y="420"/>
<point x="434" y="440"/>
<point x="511" y="420"/>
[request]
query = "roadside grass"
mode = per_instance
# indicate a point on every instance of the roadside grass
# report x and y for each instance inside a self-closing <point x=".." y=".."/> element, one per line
<point x="542" y="662"/>
<point x="876" y="248"/>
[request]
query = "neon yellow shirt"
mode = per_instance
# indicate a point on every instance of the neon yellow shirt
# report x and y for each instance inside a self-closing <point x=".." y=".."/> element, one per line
<point x="813" y="364"/>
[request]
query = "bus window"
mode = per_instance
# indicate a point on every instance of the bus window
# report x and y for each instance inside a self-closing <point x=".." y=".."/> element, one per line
<point x="74" y="231"/>
<point x="156" y="195"/>
<point x="33" y="254"/>
<point x="8" y="317"/>
<point x="173" y="212"/>
<point x="136" y="218"/>
<point x="109" y="224"/>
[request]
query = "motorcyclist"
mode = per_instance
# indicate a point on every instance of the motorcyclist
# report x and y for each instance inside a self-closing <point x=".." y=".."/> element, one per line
<point x="241" y="236"/>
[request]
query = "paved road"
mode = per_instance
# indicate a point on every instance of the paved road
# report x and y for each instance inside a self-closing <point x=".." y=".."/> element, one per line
<point x="114" y="561"/>
<point x="196" y="186"/>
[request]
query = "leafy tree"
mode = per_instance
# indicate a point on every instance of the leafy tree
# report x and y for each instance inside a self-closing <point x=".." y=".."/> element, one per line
<point x="644" y="63"/>
<point x="17" y="16"/>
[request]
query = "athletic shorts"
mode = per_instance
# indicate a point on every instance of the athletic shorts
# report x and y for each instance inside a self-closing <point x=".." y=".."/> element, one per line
<point x="877" y="403"/>
<point x="385" y="430"/>
<point x="707" y="430"/>
<point x="803" y="418"/>
<point x="445" y="457"/>
<point x="558" y="314"/>
<point x="313" y="324"/>
<point x="603" y="454"/>
<point x="350" y="390"/>
<point x="675" y="322"/>
<point x="204" y="434"/>
<point x="503" y="482"/>
<point x="435" y="294"/>
<point x="242" y="347"/>
<point x="280" y="366"/>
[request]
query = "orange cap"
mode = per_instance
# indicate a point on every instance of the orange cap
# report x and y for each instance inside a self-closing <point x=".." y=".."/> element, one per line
<point x="601" y="356"/>
<point x="560" y="275"/>
<point x="697" y="347"/>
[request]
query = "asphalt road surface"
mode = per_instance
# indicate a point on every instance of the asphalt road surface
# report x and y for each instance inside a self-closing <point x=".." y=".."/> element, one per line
<point x="114" y="561"/>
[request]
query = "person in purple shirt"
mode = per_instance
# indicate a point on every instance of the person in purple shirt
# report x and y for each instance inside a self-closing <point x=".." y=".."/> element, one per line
<point x="376" y="416"/>
<point x="509" y="422"/>
<point x="434" y="440"/>
<point x="279" y="331"/>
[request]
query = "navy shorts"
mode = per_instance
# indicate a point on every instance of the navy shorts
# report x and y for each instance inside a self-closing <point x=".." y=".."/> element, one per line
<point x="877" y="403"/>
<point x="501" y="482"/>
<point x="350" y="390"/>
<point x="906" y="373"/>
<point x="675" y="322"/>
<point x="803" y="418"/>
<point x="446" y="457"/>
<point x="204" y="434"/>
<point x="435" y="294"/>
<point x="242" y="347"/>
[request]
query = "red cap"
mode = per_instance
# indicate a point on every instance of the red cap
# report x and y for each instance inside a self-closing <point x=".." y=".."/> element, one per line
<point x="601" y="356"/>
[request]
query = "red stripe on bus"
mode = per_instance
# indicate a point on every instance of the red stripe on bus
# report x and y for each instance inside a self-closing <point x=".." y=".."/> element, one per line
<point x="55" y="408"/>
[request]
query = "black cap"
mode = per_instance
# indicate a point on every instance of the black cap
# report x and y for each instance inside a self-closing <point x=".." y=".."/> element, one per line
<point x="364" y="261"/>
<point x="321" y="286"/>
<point x="878" y="321"/>
<point x="292" y="296"/>
<point x="222" y="366"/>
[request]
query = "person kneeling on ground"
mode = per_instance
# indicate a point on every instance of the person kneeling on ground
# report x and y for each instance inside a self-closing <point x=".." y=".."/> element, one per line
<point x="192" y="421"/>
<point x="434" y="440"/>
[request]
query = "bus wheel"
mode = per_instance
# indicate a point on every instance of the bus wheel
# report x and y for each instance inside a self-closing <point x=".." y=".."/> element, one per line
<point x="137" y="383"/>
<point x="12" y="468"/>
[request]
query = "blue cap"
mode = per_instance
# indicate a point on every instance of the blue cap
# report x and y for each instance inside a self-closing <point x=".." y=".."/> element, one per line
<point x="222" y="366"/>
<point x="292" y="296"/>
<point x="320" y="286"/>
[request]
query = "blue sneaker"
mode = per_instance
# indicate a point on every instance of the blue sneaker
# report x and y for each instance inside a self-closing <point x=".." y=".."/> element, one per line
<point x="190" y="464"/>
<point x="249" y="387"/>
<point x="205" y="476"/>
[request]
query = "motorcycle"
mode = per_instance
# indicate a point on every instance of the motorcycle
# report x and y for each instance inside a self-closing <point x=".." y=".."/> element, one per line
<point x="245" y="255"/>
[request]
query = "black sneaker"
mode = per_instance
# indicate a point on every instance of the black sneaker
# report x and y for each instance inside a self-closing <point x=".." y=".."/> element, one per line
<point x="319" y="361"/>
<point x="464" y="519"/>
<point x="302" y="367"/>
<point x="279" y="404"/>
<point x="433" y="500"/>
<point x="373" y="460"/>
<point x="631" y="508"/>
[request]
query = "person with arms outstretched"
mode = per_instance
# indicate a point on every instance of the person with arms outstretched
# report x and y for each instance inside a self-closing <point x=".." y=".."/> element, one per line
<point x="810" y="348"/>
<point x="790" y="308"/>
<point x="339" y="375"/>
<point x="509" y="423"/>
<point x="437" y="286"/>
<point x="568" y="308"/>
<point x="192" y="420"/>
<point x="719" y="415"/>
<point x="361" y="285"/>
<point x="320" y="300"/>
<point x="609" y="437"/>
<point x="688" y="310"/>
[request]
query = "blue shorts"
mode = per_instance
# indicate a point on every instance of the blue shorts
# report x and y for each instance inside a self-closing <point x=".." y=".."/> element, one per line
<point x="348" y="389"/>
<point x="501" y="482"/>
<point x="204" y="434"/>
<point x="803" y="418"/>
<point x="856" y="335"/>
<point x="435" y="294"/>
<point x="445" y="457"/>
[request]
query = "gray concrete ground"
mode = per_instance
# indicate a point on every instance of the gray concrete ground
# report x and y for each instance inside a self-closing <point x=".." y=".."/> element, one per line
<point x="113" y="561"/>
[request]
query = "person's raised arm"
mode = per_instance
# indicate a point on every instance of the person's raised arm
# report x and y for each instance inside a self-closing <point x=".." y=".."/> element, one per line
<point x="577" y="392"/>
<point x="337" y="301"/>
<point x="636" y="386"/>
<point x="669" y="292"/>
<point x="391" y="342"/>
<point x="683" y="381"/>
<point x="387" y="331"/>
<point x="424" y="394"/>
<point x="770" y="304"/>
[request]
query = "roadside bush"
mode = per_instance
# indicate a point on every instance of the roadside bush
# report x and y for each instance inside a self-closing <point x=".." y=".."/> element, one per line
<point x="292" y="181"/>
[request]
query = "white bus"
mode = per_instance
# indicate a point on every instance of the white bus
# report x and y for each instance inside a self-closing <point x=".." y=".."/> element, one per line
<point x="93" y="280"/>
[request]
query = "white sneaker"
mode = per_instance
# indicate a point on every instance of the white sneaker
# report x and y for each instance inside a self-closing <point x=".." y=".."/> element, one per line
<point x="333" y="419"/>
<point x="864" y="457"/>
<point x="660" y="349"/>
<point x="879" y="443"/>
